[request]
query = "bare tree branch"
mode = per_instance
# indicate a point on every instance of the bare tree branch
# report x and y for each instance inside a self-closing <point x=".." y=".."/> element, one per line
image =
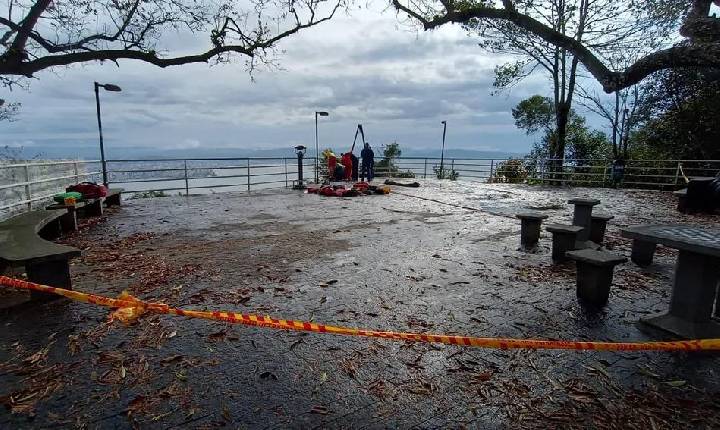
<point x="52" y="34"/>
<point x="702" y="51"/>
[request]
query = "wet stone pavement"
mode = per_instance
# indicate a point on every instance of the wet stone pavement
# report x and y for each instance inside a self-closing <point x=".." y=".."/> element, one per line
<point x="399" y="262"/>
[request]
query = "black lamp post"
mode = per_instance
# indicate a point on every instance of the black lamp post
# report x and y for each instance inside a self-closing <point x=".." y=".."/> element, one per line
<point x="317" y="147"/>
<point x="108" y="87"/>
<point x="442" y="152"/>
<point x="300" y="151"/>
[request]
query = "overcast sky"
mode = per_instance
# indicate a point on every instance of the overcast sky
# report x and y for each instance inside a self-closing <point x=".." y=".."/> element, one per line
<point x="365" y="68"/>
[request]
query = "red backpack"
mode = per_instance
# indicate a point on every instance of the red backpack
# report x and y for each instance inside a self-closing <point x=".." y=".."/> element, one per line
<point x="89" y="190"/>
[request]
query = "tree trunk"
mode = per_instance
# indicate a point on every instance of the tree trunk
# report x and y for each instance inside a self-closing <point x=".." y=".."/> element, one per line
<point x="562" y="115"/>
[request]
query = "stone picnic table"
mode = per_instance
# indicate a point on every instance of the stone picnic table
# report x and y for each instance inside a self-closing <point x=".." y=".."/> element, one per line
<point x="695" y="286"/>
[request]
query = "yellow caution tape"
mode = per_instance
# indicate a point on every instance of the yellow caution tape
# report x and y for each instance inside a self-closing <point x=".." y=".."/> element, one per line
<point x="130" y="308"/>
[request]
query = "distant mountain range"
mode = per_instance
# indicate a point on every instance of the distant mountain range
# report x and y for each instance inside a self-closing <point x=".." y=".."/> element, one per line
<point x="84" y="152"/>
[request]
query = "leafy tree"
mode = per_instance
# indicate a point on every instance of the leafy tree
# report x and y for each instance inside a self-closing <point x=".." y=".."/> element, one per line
<point x="535" y="116"/>
<point x="684" y="107"/>
<point x="701" y="32"/>
<point x="512" y="171"/>
<point x="42" y="34"/>
<point x="391" y="152"/>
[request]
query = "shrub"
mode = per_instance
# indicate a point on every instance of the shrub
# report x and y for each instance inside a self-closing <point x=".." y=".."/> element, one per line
<point x="444" y="173"/>
<point x="512" y="171"/>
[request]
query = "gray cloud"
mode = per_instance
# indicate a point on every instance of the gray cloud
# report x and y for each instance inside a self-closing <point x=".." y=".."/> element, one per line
<point x="363" y="69"/>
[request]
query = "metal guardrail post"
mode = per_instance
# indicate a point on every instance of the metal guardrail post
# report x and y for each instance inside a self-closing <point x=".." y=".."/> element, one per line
<point x="452" y="165"/>
<point x="77" y="173"/>
<point x="605" y="169"/>
<point x="28" y="192"/>
<point x="492" y="165"/>
<point x="248" y="175"/>
<point x="187" y="185"/>
<point x="677" y="172"/>
<point x="425" y="170"/>
<point x="286" y="172"/>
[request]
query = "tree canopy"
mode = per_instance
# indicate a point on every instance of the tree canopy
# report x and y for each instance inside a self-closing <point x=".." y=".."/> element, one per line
<point x="683" y="108"/>
<point x="701" y="32"/>
<point x="42" y="34"/>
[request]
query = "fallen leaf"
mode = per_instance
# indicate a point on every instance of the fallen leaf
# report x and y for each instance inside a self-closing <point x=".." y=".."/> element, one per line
<point x="322" y="410"/>
<point x="678" y="383"/>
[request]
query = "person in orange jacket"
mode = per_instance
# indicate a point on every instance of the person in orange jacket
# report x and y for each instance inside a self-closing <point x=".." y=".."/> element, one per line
<point x="332" y="162"/>
<point x="347" y="162"/>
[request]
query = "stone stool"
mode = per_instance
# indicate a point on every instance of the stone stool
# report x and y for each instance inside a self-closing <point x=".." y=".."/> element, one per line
<point x="597" y="227"/>
<point x="530" y="229"/>
<point x="643" y="252"/>
<point x="594" y="274"/>
<point x="564" y="238"/>
<point x="582" y="216"/>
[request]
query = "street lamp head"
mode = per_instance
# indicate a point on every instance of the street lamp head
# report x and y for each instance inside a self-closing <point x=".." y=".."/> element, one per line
<point x="322" y="113"/>
<point x="111" y="87"/>
<point x="443" y="122"/>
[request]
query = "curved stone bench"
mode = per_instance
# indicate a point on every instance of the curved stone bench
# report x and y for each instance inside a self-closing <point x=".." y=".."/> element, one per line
<point x="24" y="242"/>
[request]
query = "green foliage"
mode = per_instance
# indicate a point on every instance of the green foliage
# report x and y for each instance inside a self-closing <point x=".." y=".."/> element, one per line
<point x="537" y="115"/>
<point x="386" y="165"/>
<point x="405" y="174"/>
<point x="685" y="108"/>
<point x="446" y="173"/>
<point x="149" y="195"/>
<point x="509" y="74"/>
<point x="534" y="114"/>
<point x="512" y="171"/>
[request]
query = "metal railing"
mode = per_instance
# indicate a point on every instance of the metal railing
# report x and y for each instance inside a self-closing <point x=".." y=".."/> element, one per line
<point x="206" y="175"/>
<point x="24" y="186"/>
<point x="657" y="174"/>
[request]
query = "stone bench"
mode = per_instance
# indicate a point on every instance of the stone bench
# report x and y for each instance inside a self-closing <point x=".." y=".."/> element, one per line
<point x="682" y="204"/>
<point x="582" y="215"/>
<point x="24" y="242"/>
<point x="594" y="274"/>
<point x="68" y="221"/>
<point x="642" y="252"/>
<point x="598" y="225"/>
<point x="564" y="239"/>
<point x="530" y="223"/>
<point x="113" y="197"/>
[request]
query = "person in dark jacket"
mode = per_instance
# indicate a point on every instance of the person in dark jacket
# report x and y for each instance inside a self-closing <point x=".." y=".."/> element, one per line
<point x="368" y="162"/>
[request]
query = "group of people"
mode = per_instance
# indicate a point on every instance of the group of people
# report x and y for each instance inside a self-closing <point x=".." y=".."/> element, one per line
<point x="348" y="167"/>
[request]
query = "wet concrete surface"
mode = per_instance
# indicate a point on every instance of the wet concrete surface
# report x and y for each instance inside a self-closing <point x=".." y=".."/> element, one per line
<point x="402" y="262"/>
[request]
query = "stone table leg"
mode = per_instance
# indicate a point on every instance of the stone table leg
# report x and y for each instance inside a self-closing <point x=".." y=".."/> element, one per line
<point x="582" y="217"/>
<point x="561" y="244"/>
<point x="54" y="273"/>
<point x="693" y="298"/>
<point x="530" y="233"/>
<point x="69" y="221"/>
<point x="642" y="252"/>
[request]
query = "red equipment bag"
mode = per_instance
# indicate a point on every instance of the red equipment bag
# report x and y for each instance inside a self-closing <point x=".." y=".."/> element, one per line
<point x="89" y="190"/>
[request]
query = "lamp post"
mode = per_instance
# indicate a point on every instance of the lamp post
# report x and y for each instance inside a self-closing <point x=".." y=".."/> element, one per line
<point x="442" y="152"/>
<point x="317" y="146"/>
<point x="108" y="87"/>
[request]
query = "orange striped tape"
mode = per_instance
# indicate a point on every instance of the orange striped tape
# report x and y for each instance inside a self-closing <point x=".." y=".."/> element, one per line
<point x="133" y="306"/>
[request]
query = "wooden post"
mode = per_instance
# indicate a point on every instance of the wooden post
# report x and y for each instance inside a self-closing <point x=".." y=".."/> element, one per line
<point x="492" y="165"/>
<point x="425" y="170"/>
<point x="286" y="172"/>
